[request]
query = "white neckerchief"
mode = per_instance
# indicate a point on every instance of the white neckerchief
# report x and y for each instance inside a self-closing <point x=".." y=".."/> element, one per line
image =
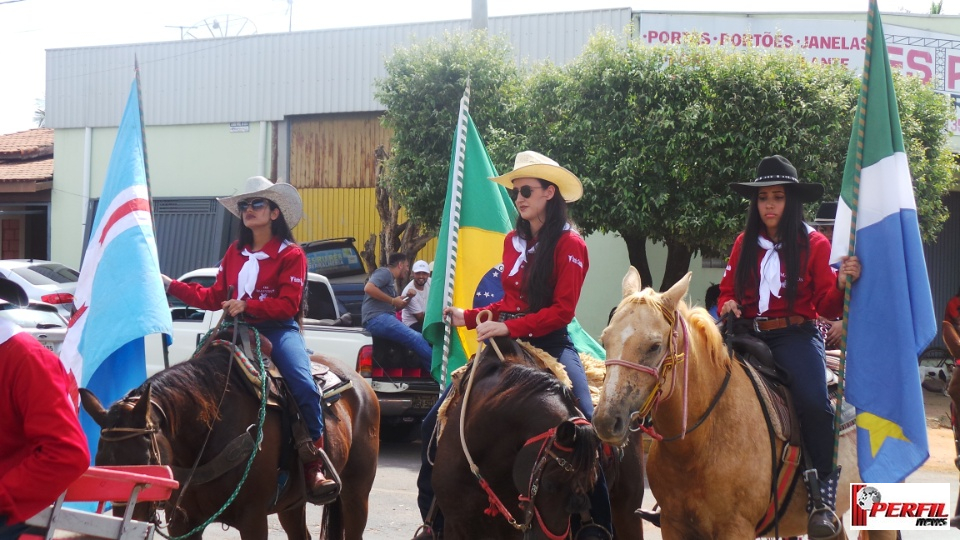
<point x="8" y="329"/>
<point x="770" y="283"/>
<point x="520" y="245"/>
<point x="249" y="272"/>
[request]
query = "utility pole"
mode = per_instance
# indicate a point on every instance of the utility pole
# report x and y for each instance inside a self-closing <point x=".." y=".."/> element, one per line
<point x="479" y="19"/>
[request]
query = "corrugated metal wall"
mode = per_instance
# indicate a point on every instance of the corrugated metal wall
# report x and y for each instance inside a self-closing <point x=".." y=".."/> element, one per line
<point x="191" y="233"/>
<point x="943" y="260"/>
<point x="336" y="151"/>
<point x="272" y="76"/>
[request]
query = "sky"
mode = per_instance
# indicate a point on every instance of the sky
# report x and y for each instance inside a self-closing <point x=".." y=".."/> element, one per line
<point x="29" y="27"/>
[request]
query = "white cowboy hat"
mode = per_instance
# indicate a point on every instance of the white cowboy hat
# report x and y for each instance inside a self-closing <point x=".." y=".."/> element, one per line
<point x="283" y="195"/>
<point x="530" y="164"/>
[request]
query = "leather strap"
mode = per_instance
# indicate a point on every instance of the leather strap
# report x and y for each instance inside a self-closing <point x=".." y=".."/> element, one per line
<point x="765" y="325"/>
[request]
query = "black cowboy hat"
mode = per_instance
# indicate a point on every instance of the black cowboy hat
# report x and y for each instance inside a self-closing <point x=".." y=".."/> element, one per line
<point x="826" y="214"/>
<point x="775" y="171"/>
<point x="13" y="293"/>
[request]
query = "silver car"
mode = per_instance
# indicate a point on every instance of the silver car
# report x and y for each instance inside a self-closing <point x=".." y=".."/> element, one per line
<point x="43" y="281"/>
<point x="38" y="319"/>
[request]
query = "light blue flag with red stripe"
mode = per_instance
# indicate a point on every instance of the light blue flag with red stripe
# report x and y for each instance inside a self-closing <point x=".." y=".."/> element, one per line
<point x="891" y="317"/>
<point x="119" y="297"/>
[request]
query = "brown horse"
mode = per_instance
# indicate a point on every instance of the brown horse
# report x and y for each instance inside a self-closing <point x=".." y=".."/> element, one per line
<point x="169" y="418"/>
<point x="711" y="475"/>
<point x="532" y="447"/>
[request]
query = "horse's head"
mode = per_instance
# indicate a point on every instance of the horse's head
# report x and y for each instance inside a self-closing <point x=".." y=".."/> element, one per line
<point x="641" y="343"/>
<point x="130" y="430"/>
<point x="555" y="472"/>
<point x="130" y="434"/>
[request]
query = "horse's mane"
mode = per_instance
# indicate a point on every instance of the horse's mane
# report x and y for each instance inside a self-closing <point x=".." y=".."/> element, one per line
<point x="518" y="383"/>
<point x="188" y="389"/>
<point x="706" y="342"/>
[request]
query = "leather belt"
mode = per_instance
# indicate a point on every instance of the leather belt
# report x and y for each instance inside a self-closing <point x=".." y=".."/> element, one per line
<point x="508" y="316"/>
<point x="765" y="324"/>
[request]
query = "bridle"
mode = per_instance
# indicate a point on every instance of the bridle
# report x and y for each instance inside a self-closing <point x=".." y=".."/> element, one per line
<point x="663" y="368"/>
<point x="117" y="434"/>
<point x="548" y="452"/>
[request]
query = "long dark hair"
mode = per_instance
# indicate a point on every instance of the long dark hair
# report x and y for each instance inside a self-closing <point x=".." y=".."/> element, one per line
<point x="793" y="250"/>
<point x="278" y="228"/>
<point x="538" y="282"/>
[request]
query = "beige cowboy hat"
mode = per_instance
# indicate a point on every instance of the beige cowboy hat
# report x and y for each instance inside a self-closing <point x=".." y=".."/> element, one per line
<point x="283" y="195"/>
<point x="530" y="164"/>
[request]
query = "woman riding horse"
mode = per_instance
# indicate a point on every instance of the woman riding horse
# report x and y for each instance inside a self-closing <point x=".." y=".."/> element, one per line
<point x="545" y="262"/>
<point x="268" y="270"/>
<point x="779" y="278"/>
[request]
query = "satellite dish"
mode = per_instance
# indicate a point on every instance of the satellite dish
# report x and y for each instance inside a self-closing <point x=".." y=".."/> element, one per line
<point x="220" y="26"/>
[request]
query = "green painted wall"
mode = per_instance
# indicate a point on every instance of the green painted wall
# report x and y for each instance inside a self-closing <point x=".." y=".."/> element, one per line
<point x="608" y="265"/>
<point x="184" y="161"/>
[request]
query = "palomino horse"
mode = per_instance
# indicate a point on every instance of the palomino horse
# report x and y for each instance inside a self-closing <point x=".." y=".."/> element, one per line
<point x="536" y="455"/>
<point x="177" y="418"/>
<point x="711" y="474"/>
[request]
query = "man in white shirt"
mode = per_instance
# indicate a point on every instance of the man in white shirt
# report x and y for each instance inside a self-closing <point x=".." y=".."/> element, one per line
<point x="412" y="313"/>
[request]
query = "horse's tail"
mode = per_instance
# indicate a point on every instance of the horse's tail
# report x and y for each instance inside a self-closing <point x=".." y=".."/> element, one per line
<point x="332" y="528"/>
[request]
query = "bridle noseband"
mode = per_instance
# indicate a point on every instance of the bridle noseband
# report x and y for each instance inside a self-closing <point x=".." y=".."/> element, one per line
<point x="666" y="364"/>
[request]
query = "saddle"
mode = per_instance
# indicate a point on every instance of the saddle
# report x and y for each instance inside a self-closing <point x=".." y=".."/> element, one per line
<point x="771" y="385"/>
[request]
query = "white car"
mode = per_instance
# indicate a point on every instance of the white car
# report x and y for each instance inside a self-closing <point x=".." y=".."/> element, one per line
<point x="38" y="319"/>
<point x="43" y="281"/>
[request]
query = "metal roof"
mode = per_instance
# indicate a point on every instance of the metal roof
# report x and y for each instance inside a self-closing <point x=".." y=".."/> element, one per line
<point x="271" y="76"/>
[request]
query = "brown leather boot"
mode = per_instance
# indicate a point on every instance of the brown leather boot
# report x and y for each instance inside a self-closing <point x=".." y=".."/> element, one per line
<point x="317" y="482"/>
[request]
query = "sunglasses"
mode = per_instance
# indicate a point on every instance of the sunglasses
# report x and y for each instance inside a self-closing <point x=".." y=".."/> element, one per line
<point x="256" y="204"/>
<point x="524" y="191"/>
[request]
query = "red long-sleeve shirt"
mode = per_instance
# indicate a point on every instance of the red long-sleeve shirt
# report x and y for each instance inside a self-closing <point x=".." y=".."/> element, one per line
<point x="570" y="264"/>
<point x="42" y="447"/>
<point x="279" y="288"/>
<point x="817" y="292"/>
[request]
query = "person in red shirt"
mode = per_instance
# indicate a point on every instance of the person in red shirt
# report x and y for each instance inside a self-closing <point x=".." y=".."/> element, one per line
<point x="951" y="325"/>
<point x="267" y="271"/>
<point x="42" y="447"/>
<point x="544" y="264"/>
<point x="778" y="279"/>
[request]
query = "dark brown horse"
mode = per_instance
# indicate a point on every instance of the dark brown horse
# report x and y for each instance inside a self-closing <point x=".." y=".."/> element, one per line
<point x="167" y="420"/>
<point x="534" y="450"/>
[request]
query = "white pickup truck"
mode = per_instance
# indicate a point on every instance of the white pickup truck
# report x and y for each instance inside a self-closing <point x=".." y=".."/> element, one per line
<point x="405" y="391"/>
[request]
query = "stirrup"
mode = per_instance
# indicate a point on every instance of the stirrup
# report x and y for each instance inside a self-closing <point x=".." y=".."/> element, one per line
<point x="816" y="530"/>
<point x="593" y="530"/>
<point x="424" y="532"/>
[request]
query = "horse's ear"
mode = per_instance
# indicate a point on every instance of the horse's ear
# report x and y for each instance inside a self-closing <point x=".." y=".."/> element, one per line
<point x="631" y="282"/>
<point x="672" y="297"/>
<point x="142" y="408"/>
<point x="94" y="408"/>
<point x="566" y="433"/>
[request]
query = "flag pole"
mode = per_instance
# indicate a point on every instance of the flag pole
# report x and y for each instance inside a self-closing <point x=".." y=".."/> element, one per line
<point x="146" y="174"/>
<point x="859" y="131"/>
<point x="453" y="226"/>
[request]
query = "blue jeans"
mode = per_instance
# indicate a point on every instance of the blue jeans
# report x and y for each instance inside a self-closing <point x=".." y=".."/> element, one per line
<point x="798" y="351"/>
<point x="558" y="345"/>
<point x="387" y="326"/>
<point x="291" y="358"/>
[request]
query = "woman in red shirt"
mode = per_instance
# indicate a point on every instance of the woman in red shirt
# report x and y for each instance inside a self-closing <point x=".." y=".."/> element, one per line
<point x="779" y="279"/>
<point x="267" y="270"/>
<point x="544" y="264"/>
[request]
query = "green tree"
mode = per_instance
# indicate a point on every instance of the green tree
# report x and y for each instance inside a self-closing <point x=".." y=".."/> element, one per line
<point x="422" y="92"/>
<point x="657" y="134"/>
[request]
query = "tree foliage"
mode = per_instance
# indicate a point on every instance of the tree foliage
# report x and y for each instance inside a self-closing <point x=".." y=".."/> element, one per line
<point x="422" y="92"/>
<point x="656" y="133"/>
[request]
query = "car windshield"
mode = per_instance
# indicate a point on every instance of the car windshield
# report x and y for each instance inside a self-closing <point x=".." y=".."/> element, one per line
<point x="31" y="317"/>
<point x="33" y="277"/>
<point x="57" y="272"/>
<point x="335" y="262"/>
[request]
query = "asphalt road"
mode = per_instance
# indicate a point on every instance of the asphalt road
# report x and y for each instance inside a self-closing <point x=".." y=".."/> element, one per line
<point x="393" y="501"/>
